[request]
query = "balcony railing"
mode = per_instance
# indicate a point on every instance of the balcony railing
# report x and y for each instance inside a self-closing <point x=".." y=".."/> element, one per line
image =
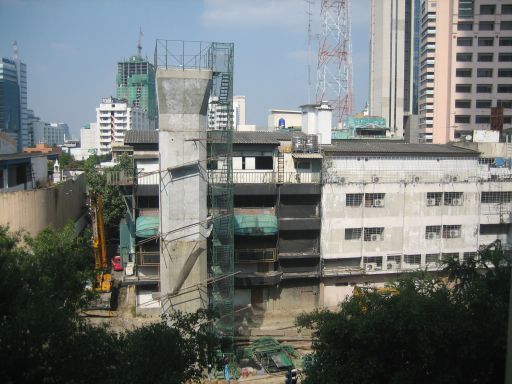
<point x="126" y="177"/>
<point x="269" y="177"/>
<point x="148" y="258"/>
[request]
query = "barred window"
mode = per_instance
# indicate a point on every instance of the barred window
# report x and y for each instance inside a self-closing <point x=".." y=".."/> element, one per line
<point x="395" y="258"/>
<point x="373" y="259"/>
<point x="485" y="57"/>
<point x="463" y="72"/>
<point x="374" y="234"/>
<point x="432" y="258"/>
<point x="469" y="255"/>
<point x="453" y="198"/>
<point x="450" y="255"/>
<point x="495" y="197"/>
<point x="486" y="26"/>
<point x="432" y="232"/>
<point x="451" y="231"/>
<point x="354" y="199"/>
<point x="353" y="233"/>
<point x="483" y="103"/>
<point x="464" y="57"/>
<point x="412" y="259"/>
<point x="434" y="198"/>
<point x="374" y="200"/>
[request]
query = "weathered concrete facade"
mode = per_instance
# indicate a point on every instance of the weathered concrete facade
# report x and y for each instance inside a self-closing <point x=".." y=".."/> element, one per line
<point x="182" y="103"/>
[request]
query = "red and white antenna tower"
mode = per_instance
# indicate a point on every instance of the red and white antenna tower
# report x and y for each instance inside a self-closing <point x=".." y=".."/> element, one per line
<point x="334" y="69"/>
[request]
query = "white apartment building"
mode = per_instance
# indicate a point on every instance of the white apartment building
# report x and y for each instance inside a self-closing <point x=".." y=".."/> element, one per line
<point x="391" y="208"/>
<point x="114" y="118"/>
<point x="466" y="56"/>
<point x="239" y="111"/>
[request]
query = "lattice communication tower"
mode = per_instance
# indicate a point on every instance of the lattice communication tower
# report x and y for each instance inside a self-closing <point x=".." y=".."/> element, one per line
<point x="334" y="69"/>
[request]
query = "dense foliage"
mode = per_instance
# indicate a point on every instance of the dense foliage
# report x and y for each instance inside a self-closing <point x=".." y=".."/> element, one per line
<point x="43" y="339"/>
<point x="429" y="330"/>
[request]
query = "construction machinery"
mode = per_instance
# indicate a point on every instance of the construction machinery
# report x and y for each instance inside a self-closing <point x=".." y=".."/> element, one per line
<point x="103" y="282"/>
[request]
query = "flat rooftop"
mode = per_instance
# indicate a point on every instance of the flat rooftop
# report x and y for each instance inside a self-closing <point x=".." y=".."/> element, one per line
<point x="351" y="147"/>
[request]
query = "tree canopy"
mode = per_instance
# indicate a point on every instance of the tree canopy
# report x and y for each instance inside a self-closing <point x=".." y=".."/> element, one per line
<point x="43" y="339"/>
<point x="431" y="330"/>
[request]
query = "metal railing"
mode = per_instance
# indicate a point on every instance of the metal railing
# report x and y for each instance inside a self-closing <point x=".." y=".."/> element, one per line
<point x="179" y="54"/>
<point x="270" y="177"/>
<point x="255" y="255"/>
<point x="148" y="258"/>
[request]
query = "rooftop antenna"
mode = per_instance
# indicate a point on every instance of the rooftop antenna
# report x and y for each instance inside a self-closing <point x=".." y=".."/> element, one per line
<point x="139" y="42"/>
<point x="15" y="50"/>
<point x="309" y="2"/>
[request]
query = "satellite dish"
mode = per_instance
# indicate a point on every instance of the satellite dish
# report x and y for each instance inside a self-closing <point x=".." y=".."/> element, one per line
<point x="469" y="137"/>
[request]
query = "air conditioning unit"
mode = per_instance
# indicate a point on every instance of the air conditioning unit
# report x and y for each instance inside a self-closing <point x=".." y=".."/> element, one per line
<point x="431" y="202"/>
<point x="378" y="203"/>
<point x="392" y="265"/>
<point x="375" y="179"/>
<point x="375" y="237"/>
<point x="431" y="235"/>
<point x="371" y="266"/>
<point x="456" y="202"/>
<point x="454" y="233"/>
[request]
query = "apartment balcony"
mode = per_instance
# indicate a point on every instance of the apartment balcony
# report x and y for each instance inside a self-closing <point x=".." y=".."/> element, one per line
<point x="261" y="279"/>
<point x="121" y="177"/>
<point x="300" y="271"/>
<point x="269" y="177"/>
<point x="146" y="269"/>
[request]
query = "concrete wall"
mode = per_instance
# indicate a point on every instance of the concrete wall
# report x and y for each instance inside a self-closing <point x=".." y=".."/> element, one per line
<point x="182" y="104"/>
<point x="37" y="209"/>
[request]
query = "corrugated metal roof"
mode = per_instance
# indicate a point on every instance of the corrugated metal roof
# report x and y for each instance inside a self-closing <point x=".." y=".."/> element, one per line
<point x="353" y="147"/>
<point x="141" y="137"/>
<point x="264" y="137"/>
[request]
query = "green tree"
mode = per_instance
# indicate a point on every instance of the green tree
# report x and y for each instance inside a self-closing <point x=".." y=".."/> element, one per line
<point x="431" y="331"/>
<point x="43" y="339"/>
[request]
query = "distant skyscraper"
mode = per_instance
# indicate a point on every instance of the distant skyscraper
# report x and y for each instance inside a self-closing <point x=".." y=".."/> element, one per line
<point x="239" y="111"/>
<point x="136" y="84"/>
<point x="394" y="54"/>
<point x="13" y="99"/>
<point x="466" y="70"/>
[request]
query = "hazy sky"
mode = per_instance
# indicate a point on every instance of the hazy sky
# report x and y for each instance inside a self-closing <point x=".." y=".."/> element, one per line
<point x="71" y="48"/>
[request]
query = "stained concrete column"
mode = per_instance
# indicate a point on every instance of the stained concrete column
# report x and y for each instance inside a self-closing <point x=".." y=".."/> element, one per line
<point x="182" y="103"/>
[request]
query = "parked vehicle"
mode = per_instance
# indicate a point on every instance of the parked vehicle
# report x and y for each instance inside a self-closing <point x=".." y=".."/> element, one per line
<point x="117" y="264"/>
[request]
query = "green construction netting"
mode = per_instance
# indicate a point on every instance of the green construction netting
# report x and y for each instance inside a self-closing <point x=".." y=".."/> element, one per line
<point x="147" y="226"/>
<point x="256" y="225"/>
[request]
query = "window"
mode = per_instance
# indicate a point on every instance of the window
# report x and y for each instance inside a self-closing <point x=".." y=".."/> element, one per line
<point x="432" y="258"/>
<point x="495" y="197"/>
<point x="504" y="72"/>
<point x="504" y="103"/>
<point x="303" y="164"/>
<point x="484" y="72"/>
<point x="505" y="41"/>
<point x="463" y="88"/>
<point x="464" y="57"/>
<point x="462" y="103"/>
<point x="465" y="26"/>
<point x="485" y="57"/>
<point x="486" y="26"/>
<point x="504" y="88"/>
<point x="453" y="198"/>
<point x="507" y="119"/>
<point x="464" y="41"/>
<point x="505" y="57"/>
<point x="353" y="233"/>
<point x="354" y="199"/>
<point x="432" y="232"/>
<point x="374" y="200"/>
<point x="483" y="88"/>
<point x="506" y="25"/>
<point x="434" y="198"/>
<point x="264" y="162"/>
<point x="466" y="9"/>
<point x="463" y="72"/>
<point x="462" y="119"/>
<point x="482" y="119"/>
<point x="450" y="256"/>
<point x="487" y="9"/>
<point x="469" y="255"/>
<point x="412" y="259"/>
<point x="493" y="229"/>
<point x="372" y="262"/>
<point x="506" y="9"/>
<point x="451" y="231"/>
<point x="483" y="103"/>
<point x="485" y="41"/>
<point x="374" y="234"/>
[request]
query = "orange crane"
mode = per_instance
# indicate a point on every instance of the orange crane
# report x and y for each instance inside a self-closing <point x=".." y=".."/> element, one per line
<point x="103" y="277"/>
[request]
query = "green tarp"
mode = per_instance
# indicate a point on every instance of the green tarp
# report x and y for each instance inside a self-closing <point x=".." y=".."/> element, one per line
<point x="147" y="226"/>
<point x="256" y="225"/>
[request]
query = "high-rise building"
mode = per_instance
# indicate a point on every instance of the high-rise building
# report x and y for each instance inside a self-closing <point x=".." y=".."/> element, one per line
<point x="394" y="61"/>
<point x="13" y="99"/>
<point x="136" y="84"/>
<point x="113" y="118"/>
<point x="239" y="111"/>
<point x="466" y="57"/>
